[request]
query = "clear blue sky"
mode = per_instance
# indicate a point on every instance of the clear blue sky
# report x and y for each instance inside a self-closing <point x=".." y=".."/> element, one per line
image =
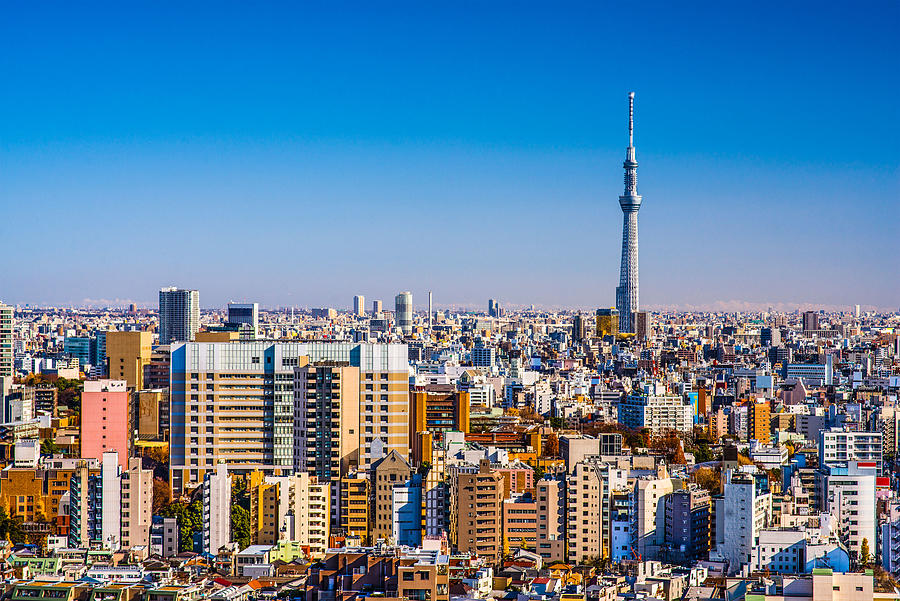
<point x="299" y="154"/>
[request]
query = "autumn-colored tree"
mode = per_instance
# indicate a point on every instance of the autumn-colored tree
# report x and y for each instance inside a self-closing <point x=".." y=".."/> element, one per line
<point x="158" y="454"/>
<point x="551" y="447"/>
<point x="162" y="494"/>
<point x="864" y="553"/>
<point x="707" y="478"/>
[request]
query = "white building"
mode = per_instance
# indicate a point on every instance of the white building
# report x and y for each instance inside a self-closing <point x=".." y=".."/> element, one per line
<point x="838" y="448"/>
<point x="745" y="513"/>
<point x="654" y="409"/>
<point x="179" y="315"/>
<point x="216" y="509"/>
<point x="849" y="495"/>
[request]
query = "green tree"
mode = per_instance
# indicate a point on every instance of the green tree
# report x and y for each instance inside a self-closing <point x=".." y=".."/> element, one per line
<point x="190" y="520"/>
<point x="11" y="528"/>
<point x="240" y="526"/>
<point x="48" y="447"/>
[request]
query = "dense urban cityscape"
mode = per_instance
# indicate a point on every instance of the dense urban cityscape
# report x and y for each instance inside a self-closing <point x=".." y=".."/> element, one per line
<point x="331" y="302"/>
<point x="432" y="455"/>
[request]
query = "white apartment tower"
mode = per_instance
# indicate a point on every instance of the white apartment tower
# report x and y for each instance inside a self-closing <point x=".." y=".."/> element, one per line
<point x="179" y="315"/>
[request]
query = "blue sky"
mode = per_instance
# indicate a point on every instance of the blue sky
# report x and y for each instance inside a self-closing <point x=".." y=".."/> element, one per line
<point x="297" y="154"/>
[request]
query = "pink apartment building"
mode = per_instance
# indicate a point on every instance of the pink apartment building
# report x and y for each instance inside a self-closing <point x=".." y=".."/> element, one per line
<point x="105" y="422"/>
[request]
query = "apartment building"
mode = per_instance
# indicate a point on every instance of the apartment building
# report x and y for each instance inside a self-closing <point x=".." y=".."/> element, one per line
<point x="386" y="473"/>
<point x="106" y="420"/>
<point x="838" y="448"/>
<point x="520" y="522"/>
<point x="551" y="519"/>
<point x="478" y="498"/>
<point x="290" y="508"/>
<point x="243" y="403"/>
<point x="588" y="490"/>
<point x="657" y="411"/>
<point x="354" y="507"/>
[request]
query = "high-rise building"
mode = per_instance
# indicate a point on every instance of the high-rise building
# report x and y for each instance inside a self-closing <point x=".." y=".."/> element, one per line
<point x="642" y="325"/>
<point x="126" y="355"/>
<point x="627" y="297"/>
<point x="403" y="311"/>
<point x="551" y="518"/>
<point x="111" y="507"/>
<point x="78" y="347"/>
<point x="106" y="420"/>
<point x="437" y="408"/>
<point x="290" y="508"/>
<point x="760" y="422"/>
<point x="837" y="448"/>
<point x="657" y="411"/>
<point x="377" y="308"/>
<point x="255" y="428"/>
<point x="245" y="318"/>
<point x="744" y="512"/>
<point x="406" y="512"/>
<point x="687" y="523"/>
<point x="6" y="341"/>
<point x="216" y="509"/>
<point x="579" y="328"/>
<point x="359" y="305"/>
<point x="810" y="321"/>
<point x="520" y="522"/>
<point x="608" y="322"/>
<point x="386" y="473"/>
<point x="179" y="315"/>
<point x="478" y="498"/>
<point x="354" y="507"/>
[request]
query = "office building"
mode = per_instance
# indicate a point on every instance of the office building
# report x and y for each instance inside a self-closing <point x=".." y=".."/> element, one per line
<point x="6" y="341"/>
<point x="106" y="420"/>
<point x="78" y="347"/>
<point x="387" y="473"/>
<point x="243" y="317"/>
<point x="127" y="354"/>
<point x="359" y="305"/>
<point x="520" y="523"/>
<point x="484" y="356"/>
<point x="436" y="408"/>
<point x="179" y="315"/>
<point x="745" y="512"/>
<point x="403" y="312"/>
<point x="216" y="509"/>
<point x="607" y="322"/>
<point x="377" y="308"/>
<point x="326" y="424"/>
<point x="642" y="325"/>
<point x="810" y="321"/>
<point x="164" y="535"/>
<point x="478" y="499"/>
<point x="627" y="293"/>
<point x="551" y="519"/>
<point x="238" y="402"/>
<point x="152" y="413"/>
<point x="110" y="507"/>
<point x="848" y="493"/>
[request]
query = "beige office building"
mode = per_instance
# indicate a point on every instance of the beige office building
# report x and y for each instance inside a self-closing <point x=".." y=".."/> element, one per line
<point x="126" y="354"/>
<point x="478" y="499"/>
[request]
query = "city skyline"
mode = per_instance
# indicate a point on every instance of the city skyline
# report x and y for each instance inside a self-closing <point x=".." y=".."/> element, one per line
<point x="771" y="162"/>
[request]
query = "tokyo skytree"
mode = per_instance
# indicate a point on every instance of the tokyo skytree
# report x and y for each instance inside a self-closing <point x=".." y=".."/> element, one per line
<point x="627" y="291"/>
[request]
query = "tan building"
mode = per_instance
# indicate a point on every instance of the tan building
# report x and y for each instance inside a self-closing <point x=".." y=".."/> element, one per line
<point x="224" y="396"/>
<point x="520" y="523"/>
<point x="585" y="501"/>
<point x="33" y="494"/>
<point x="354" y="507"/>
<point x="290" y="508"/>
<point x="137" y="504"/>
<point x="551" y="518"/>
<point x="386" y="473"/>
<point x="478" y="500"/>
<point x="126" y="354"/>
<point x="424" y="576"/>
<point x="436" y="408"/>
<point x="153" y="413"/>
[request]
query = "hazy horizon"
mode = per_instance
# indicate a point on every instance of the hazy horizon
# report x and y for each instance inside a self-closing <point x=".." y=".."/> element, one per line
<point x="300" y="155"/>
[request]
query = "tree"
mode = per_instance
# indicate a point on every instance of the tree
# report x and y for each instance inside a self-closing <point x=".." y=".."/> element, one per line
<point x="162" y="494"/>
<point x="48" y="447"/>
<point x="551" y="448"/>
<point x="240" y="526"/>
<point x="190" y="520"/>
<point x="11" y="528"/>
<point x="864" y="553"/>
<point x="707" y="478"/>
